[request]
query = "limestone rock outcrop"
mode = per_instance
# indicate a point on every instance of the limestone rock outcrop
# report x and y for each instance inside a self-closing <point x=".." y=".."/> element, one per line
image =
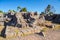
<point x="1" y="19"/>
<point x="14" y="21"/>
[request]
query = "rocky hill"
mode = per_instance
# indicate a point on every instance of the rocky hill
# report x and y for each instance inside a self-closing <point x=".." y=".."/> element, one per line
<point x="20" y="20"/>
<point x="20" y="24"/>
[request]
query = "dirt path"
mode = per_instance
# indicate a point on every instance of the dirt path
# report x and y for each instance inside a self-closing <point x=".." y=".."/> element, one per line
<point x="50" y="35"/>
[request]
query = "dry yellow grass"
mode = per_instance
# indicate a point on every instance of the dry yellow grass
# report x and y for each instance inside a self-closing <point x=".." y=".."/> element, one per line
<point x="45" y="29"/>
<point x="1" y="27"/>
<point x="57" y="27"/>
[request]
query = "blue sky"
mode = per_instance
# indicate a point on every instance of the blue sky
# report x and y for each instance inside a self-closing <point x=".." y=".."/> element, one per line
<point x="31" y="5"/>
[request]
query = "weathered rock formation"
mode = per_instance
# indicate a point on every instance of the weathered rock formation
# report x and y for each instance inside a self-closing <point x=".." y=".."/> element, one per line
<point x="14" y="31"/>
<point x="22" y="20"/>
<point x="1" y="19"/>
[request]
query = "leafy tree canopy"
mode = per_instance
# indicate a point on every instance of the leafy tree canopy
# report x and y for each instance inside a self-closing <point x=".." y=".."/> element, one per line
<point x="11" y="11"/>
<point x="49" y="9"/>
<point x="1" y="11"/>
<point x="18" y="8"/>
<point x="23" y="10"/>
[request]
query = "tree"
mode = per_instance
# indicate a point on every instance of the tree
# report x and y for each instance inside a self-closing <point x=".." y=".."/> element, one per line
<point x="23" y="10"/>
<point x="13" y="10"/>
<point x="50" y="13"/>
<point x="1" y="11"/>
<point x="42" y="13"/>
<point x="9" y="10"/>
<point x="18" y="8"/>
<point x="49" y="9"/>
